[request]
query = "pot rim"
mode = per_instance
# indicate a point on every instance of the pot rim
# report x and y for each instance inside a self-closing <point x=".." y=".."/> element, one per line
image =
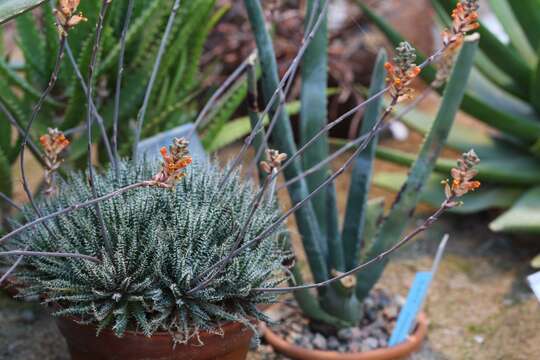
<point x="412" y="344"/>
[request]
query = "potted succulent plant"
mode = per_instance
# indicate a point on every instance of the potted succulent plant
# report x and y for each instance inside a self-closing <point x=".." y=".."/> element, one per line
<point x="129" y="286"/>
<point x="171" y="261"/>
<point x="335" y="254"/>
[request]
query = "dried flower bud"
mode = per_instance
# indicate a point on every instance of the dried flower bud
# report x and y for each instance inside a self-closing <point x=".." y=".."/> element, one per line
<point x="66" y="16"/>
<point x="273" y="160"/>
<point x="174" y="163"/>
<point x="462" y="176"/>
<point x="403" y="71"/>
<point x="53" y="143"/>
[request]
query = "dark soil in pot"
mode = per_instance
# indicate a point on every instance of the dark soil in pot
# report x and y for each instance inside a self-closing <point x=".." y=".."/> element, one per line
<point x="372" y="334"/>
<point x="84" y="345"/>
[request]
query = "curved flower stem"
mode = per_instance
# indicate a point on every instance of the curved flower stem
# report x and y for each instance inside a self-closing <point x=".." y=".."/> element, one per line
<point x="268" y="231"/>
<point x="142" y="112"/>
<point x="98" y="117"/>
<point x="425" y="225"/>
<point x="288" y="76"/>
<point x="118" y="90"/>
<point x="89" y="121"/>
<point x="73" y="208"/>
<point x="33" y="116"/>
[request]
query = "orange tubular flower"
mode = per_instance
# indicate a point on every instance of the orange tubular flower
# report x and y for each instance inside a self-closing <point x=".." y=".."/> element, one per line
<point x="174" y="163"/>
<point x="462" y="176"/>
<point x="403" y="72"/>
<point x="53" y="143"/>
<point x="66" y="16"/>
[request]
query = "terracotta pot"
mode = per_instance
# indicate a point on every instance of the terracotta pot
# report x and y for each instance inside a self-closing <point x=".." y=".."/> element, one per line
<point x="84" y="345"/>
<point x="400" y="351"/>
<point x="9" y="285"/>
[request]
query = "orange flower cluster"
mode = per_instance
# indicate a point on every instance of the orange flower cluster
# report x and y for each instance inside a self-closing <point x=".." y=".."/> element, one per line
<point x="464" y="19"/>
<point x="53" y="143"/>
<point x="66" y="15"/>
<point x="462" y="176"/>
<point x="174" y="163"/>
<point x="401" y="74"/>
<point x="273" y="160"/>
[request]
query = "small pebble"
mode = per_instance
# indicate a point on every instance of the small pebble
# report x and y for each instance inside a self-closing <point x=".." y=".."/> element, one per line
<point x="319" y="342"/>
<point x="371" y="343"/>
<point x="479" y="339"/>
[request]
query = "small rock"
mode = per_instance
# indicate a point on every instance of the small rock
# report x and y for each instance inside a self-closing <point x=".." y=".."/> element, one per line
<point x="479" y="339"/>
<point x="332" y="343"/>
<point x="319" y="342"/>
<point x="371" y="343"/>
<point x="400" y="300"/>
<point x="345" y="334"/>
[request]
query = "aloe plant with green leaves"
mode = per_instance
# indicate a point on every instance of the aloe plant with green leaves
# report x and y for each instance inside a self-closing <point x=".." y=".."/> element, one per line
<point x="332" y="250"/>
<point x="502" y="94"/>
<point x="131" y="33"/>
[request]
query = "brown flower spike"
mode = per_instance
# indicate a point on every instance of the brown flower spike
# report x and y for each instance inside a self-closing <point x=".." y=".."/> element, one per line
<point x="174" y="163"/>
<point x="53" y="143"/>
<point x="273" y="161"/>
<point x="402" y="72"/>
<point x="462" y="177"/>
<point x="66" y="15"/>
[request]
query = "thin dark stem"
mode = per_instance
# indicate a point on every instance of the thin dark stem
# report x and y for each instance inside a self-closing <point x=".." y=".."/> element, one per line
<point x="98" y="117"/>
<point x="31" y="145"/>
<point x="268" y="231"/>
<point x="278" y="92"/>
<point x="142" y="112"/>
<point x="425" y="225"/>
<point x="11" y="269"/>
<point x="89" y="121"/>
<point x="10" y="201"/>
<point x="33" y="116"/>
<point x="118" y="89"/>
<point x="49" y="254"/>
<point x="349" y="145"/>
<point x="217" y="94"/>
<point x="73" y="208"/>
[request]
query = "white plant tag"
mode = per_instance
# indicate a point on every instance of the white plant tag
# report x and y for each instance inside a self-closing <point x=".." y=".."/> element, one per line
<point x="534" y="283"/>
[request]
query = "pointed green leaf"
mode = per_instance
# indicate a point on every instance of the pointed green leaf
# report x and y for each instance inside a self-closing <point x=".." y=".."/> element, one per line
<point x="353" y="225"/>
<point x="12" y="8"/>
<point x="524" y="216"/>
<point x="514" y="30"/>
<point x="33" y="48"/>
<point x="527" y="13"/>
<point x="283" y="140"/>
<point x="313" y="116"/>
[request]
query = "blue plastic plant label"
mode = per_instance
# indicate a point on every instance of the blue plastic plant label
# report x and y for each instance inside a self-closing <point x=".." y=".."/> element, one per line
<point x="415" y="299"/>
<point x="408" y="313"/>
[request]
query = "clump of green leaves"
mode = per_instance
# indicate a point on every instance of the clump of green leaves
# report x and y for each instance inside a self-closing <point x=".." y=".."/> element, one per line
<point x="162" y="239"/>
